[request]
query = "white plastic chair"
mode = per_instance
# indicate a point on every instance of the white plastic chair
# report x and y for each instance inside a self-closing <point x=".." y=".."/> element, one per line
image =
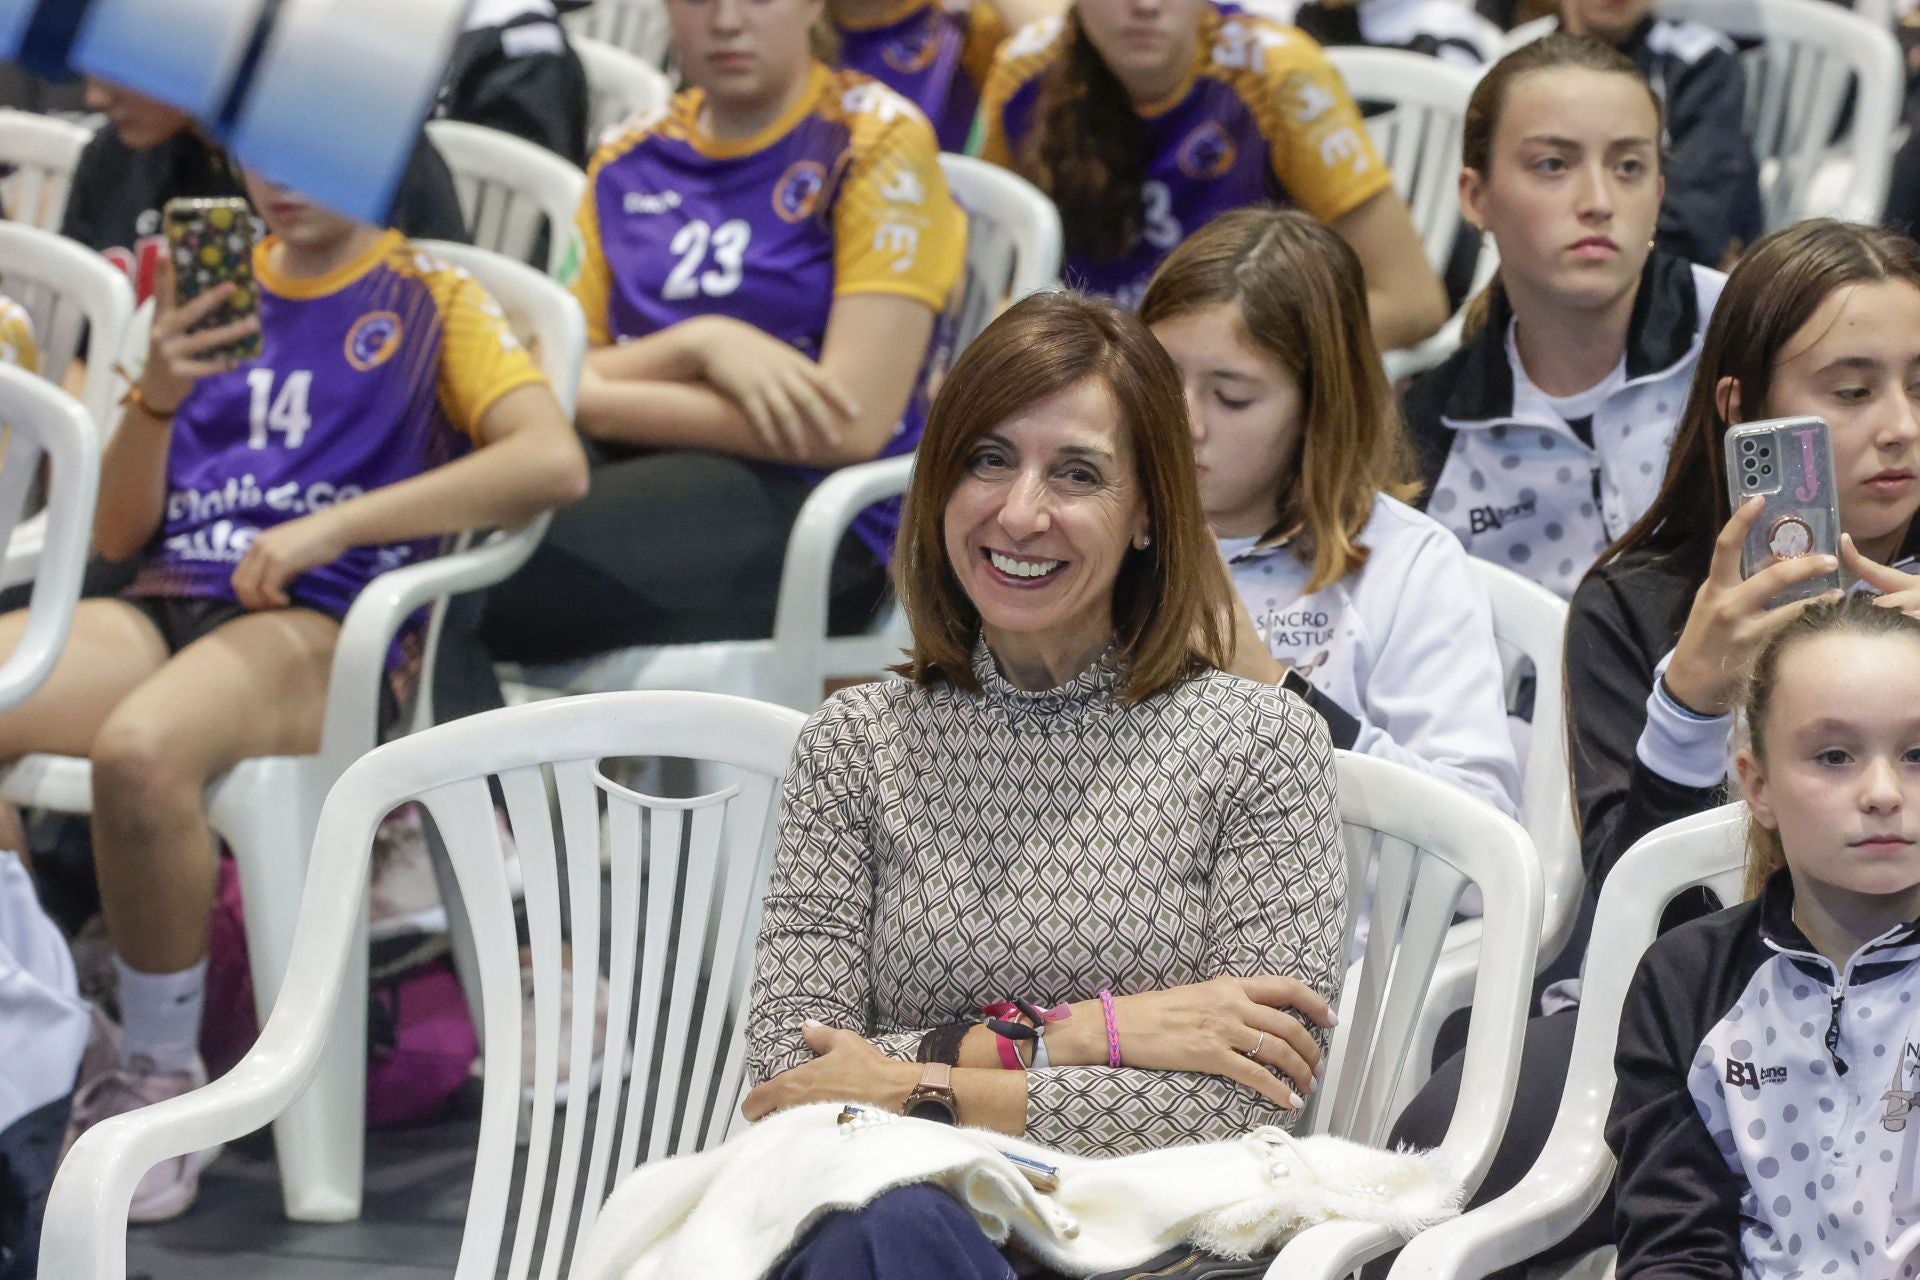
<point x="68" y="291"/>
<point x="1420" y="137"/>
<point x="43" y="152"/>
<point x="694" y="868"/>
<point x="637" y="26"/>
<point x="265" y="809"/>
<point x="1529" y="626"/>
<point x="1013" y="249"/>
<point x="1573" y="1171"/>
<point x="38" y="420"/>
<point x="1014" y="241"/>
<point x="620" y="85"/>
<point x="1796" y="88"/>
<point x="510" y="190"/>
<point x="1425" y="840"/>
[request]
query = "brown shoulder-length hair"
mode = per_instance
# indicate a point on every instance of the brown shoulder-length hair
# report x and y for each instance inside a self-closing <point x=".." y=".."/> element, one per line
<point x="1302" y="299"/>
<point x="1854" y="614"/>
<point x="1774" y="290"/>
<point x="1170" y="600"/>
<point x="1488" y="104"/>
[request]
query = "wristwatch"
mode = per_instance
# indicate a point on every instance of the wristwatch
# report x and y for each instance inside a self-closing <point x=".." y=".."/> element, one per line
<point x="932" y="1098"/>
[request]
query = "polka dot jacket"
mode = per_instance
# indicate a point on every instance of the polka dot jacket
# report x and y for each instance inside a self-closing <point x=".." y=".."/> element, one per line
<point x="1518" y="485"/>
<point x="1765" y="1114"/>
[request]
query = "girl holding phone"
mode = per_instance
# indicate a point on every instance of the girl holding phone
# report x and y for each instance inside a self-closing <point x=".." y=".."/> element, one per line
<point x="389" y="404"/>
<point x="1364" y="606"/>
<point x="1544" y="436"/>
<point x="1746" y="1034"/>
<point x="1823" y="320"/>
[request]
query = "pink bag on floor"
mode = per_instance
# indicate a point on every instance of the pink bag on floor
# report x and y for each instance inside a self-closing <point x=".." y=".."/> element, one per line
<point x="420" y="1041"/>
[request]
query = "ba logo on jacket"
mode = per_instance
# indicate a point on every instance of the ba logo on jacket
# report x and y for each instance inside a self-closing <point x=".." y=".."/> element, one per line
<point x="1745" y="1075"/>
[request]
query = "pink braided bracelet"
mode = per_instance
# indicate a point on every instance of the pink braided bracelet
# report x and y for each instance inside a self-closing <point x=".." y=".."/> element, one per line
<point x="1113" y="1029"/>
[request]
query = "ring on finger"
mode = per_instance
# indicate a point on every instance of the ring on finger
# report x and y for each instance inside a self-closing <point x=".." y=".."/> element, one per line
<point x="1255" y="1051"/>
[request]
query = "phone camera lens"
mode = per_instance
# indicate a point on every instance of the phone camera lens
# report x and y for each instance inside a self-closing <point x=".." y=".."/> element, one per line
<point x="1766" y="470"/>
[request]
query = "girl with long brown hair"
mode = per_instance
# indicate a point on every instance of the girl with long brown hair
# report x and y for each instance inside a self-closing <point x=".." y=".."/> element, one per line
<point x="1545" y="435"/>
<point x="1362" y="605"/>
<point x="1145" y="119"/>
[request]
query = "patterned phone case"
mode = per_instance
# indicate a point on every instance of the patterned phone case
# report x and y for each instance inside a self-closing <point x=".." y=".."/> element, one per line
<point x="1789" y="463"/>
<point x="211" y="242"/>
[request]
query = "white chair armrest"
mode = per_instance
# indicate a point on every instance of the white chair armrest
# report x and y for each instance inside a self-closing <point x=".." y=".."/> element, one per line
<point x="23" y="550"/>
<point x="1541" y="1210"/>
<point x="1331" y="1251"/>
<point x="352" y="725"/>
<point x="800" y="616"/>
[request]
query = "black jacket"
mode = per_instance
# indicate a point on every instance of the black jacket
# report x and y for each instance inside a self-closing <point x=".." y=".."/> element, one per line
<point x="523" y="78"/>
<point x="1762" y="1111"/>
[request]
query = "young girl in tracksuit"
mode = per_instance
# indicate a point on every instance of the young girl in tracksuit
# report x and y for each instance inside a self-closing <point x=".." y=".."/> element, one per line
<point x="1364" y="606"/>
<point x="1769" y="1055"/>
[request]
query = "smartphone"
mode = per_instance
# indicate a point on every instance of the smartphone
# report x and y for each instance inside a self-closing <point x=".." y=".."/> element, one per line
<point x="1789" y="463"/>
<point x="210" y="243"/>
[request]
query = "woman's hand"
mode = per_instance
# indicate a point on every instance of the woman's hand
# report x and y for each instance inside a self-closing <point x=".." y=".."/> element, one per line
<point x="176" y="358"/>
<point x="1730" y="621"/>
<point x="1897" y="590"/>
<point x="1236" y="1028"/>
<point x="792" y="402"/>
<point x="279" y="555"/>
<point x="848" y="1069"/>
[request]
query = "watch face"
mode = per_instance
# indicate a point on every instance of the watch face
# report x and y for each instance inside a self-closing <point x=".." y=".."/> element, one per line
<point x="935" y="1109"/>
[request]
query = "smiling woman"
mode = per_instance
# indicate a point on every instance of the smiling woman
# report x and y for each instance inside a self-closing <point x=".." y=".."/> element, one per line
<point x="1069" y="879"/>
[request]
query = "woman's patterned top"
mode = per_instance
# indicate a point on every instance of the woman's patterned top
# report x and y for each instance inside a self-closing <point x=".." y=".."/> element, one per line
<point x="941" y="850"/>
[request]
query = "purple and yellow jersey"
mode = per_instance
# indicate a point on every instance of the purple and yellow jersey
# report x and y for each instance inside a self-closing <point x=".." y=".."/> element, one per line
<point x="17" y="346"/>
<point x="841" y="195"/>
<point x="367" y="377"/>
<point x="1262" y="116"/>
<point x="935" y="53"/>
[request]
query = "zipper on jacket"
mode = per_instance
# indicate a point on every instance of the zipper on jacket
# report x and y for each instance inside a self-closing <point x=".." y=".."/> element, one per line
<point x="1833" y="1028"/>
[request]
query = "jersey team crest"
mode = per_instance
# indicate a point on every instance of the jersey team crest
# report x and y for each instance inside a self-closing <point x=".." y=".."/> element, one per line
<point x="373" y="340"/>
<point x="1207" y="152"/>
<point x="797" y="194"/>
<point x="913" y="50"/>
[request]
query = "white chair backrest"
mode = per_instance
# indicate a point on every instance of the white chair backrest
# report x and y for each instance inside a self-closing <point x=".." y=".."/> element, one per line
<point x="1420" y="137"/>
<point x="41" y="153"/>
<point x="1796" y="89"/>
<point x="620" y="85"/>
<point x="69" y="291"/>
<point x="1424" y="840"/>
<point x="510" y="189"/>
<point x="685" y="879"/>
<point x="1530" y="626"/>
<point x="1014" y="241"/>
<point x="38" y="420"/>
<point x="637" y="26"/>
<point x="1572" y="1172"/>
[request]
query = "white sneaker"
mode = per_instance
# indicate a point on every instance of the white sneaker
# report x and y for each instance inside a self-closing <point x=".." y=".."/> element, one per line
<point x="170" y="1187"/>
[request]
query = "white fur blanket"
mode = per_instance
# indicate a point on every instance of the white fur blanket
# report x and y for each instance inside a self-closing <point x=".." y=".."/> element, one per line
<point x="737" y="1209"/>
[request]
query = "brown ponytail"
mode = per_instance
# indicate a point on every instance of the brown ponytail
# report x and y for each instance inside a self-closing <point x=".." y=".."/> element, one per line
<point x="1089" y="153"/>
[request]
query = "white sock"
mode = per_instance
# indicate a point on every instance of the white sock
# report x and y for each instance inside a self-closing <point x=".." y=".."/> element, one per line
<point x="160" y="1015"/>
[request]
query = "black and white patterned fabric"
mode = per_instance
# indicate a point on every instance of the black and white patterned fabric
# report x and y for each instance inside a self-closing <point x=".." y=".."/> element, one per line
<point x="940" y="850"/>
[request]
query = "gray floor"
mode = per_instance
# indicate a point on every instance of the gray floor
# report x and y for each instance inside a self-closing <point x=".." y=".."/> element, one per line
<point x="416" y="1202"/>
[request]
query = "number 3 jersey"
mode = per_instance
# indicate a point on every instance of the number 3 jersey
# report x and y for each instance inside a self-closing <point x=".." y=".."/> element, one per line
<point x="841" y="195"/>
<point x="1260" y="117"/>
<point x="368" y="376"/>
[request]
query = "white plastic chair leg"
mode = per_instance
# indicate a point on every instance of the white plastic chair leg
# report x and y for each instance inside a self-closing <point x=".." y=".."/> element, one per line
<point x="265" y="812"/>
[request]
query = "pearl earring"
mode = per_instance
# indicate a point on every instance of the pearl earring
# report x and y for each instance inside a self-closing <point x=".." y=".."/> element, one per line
<point x="1142" y="542"/>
